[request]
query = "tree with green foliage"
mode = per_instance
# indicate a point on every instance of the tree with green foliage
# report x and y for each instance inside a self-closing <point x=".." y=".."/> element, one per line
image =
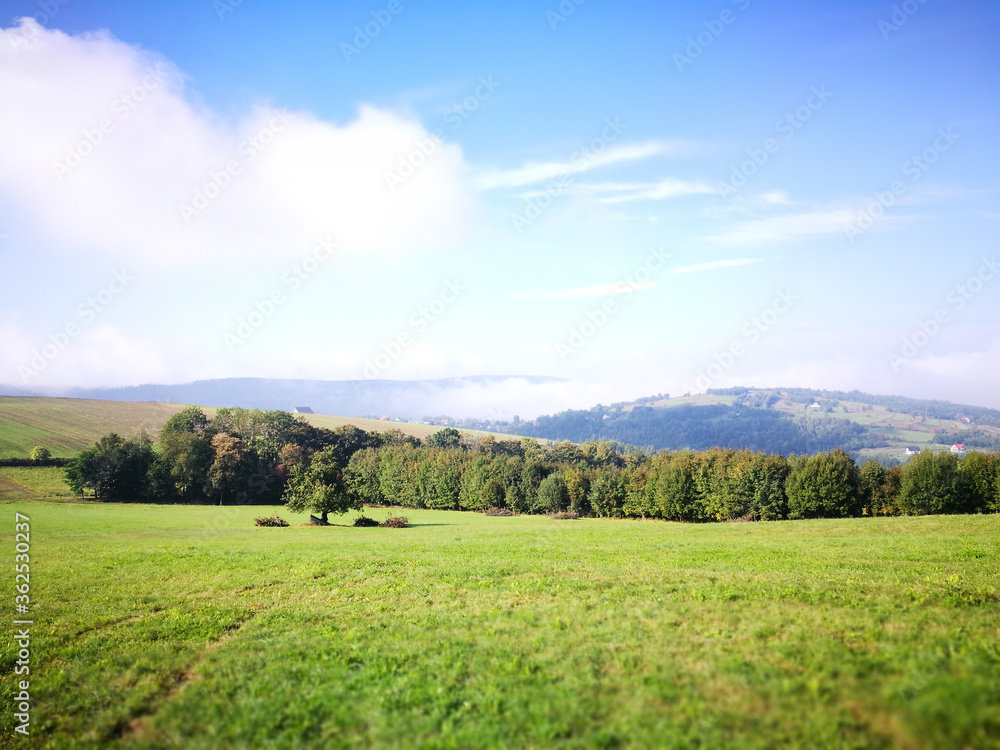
<point x="578" y="487"/>
<point x="607" y="493"/>
<point x="114" y="468"/>
<point x="182" y="467"/>
<point x="932" y="483"/>
<point x="320" y="487"/>
<point x="191" y="419"/>
<point x="39" y="453"/>
<point x="232" y="464"/>
<point x="553" y="496"/>
<point x="823" y="486"/>
<point x="672" y="486"/>
<point x="265" y="432"/>
<point x="447" y="437"/>
<point x="980" y="473"/>
<point x="879" y="489"/>
<point x="396" y="436"/>
<point x="348" y="440"/>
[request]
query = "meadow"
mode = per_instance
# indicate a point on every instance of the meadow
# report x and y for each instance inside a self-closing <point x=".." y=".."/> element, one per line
<point x="177" y="626"/>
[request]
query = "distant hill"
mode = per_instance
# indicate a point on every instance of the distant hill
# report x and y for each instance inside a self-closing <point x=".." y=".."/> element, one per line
<point x="777" y="420"/>
<point x="407" y="399"/>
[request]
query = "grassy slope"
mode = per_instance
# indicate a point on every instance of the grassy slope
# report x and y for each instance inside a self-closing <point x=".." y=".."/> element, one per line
<point x="160" y="626"/>
<point x="67" y="426"/>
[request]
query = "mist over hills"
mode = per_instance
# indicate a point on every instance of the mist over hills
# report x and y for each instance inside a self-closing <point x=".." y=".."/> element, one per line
<point x="478" y="396"/>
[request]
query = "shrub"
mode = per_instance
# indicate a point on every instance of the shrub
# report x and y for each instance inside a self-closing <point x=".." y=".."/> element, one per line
<point x="396" y="522"/>
<point x="271" y="521"/>
<point x="566" y="515"/>
<point x="494" y="511"/>
<point x="365" y="521"/>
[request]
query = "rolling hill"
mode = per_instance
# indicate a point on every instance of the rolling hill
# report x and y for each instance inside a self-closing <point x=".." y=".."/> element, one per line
<point x="777" y="420"/>
<point x="67" y="426"/>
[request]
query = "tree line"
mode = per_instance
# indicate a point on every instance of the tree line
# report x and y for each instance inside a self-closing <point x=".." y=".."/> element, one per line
<point x="256" y="457"/>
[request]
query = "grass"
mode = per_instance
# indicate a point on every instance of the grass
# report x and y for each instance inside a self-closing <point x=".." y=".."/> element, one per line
<point x="67" y="426"/>
<point x="36" y="482"/>
<point x="174" y="626"/>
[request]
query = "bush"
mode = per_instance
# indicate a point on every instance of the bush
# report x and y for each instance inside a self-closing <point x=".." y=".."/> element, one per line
<point x="396" y="522"/>
<point x="566" y="515"/>
<point x="365" y="521"/>
<point x="494" y="511"/>
<point x="272" y="521"/>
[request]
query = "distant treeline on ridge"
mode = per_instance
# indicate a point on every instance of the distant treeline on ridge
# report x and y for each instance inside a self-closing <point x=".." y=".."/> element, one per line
<point x="256" y="457"/>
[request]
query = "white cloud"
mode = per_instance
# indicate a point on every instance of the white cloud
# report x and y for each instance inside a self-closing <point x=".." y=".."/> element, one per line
<point x="715" y="264"/>
<point x="580" y="161"/>
<point x="311" y="178"/>
<point x="597" y="290"/>
<point x="786" y="227"/>
<point x="624" y="192"/>
<point x="94" y="356"/>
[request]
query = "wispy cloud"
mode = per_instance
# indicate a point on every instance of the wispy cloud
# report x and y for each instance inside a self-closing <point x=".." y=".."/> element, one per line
<point x="785" y="228"/>
<point x="716" y="264"/>
<point x="582" y="161"/>
<point x="624" y="192"/>
<point x="622" y="287"/>
<point x="597" y="290"/>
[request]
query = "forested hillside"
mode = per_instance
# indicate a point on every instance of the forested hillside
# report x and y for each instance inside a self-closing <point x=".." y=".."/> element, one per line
<point x="781" y="420"/>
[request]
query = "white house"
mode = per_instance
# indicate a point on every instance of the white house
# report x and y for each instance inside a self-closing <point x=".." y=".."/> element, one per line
<point x="912" y="450"/>
<point x="302" y="410"/>
<point x="958" y="448"/>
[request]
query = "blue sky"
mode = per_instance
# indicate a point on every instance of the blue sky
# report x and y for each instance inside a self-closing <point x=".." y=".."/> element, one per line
<point x="636" y="197"/>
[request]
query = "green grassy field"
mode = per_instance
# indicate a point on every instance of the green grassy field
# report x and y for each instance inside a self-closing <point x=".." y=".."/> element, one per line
<point x="34" y="482"/>
<point x="189" y="627"/>
<point x="67" y="426"/>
